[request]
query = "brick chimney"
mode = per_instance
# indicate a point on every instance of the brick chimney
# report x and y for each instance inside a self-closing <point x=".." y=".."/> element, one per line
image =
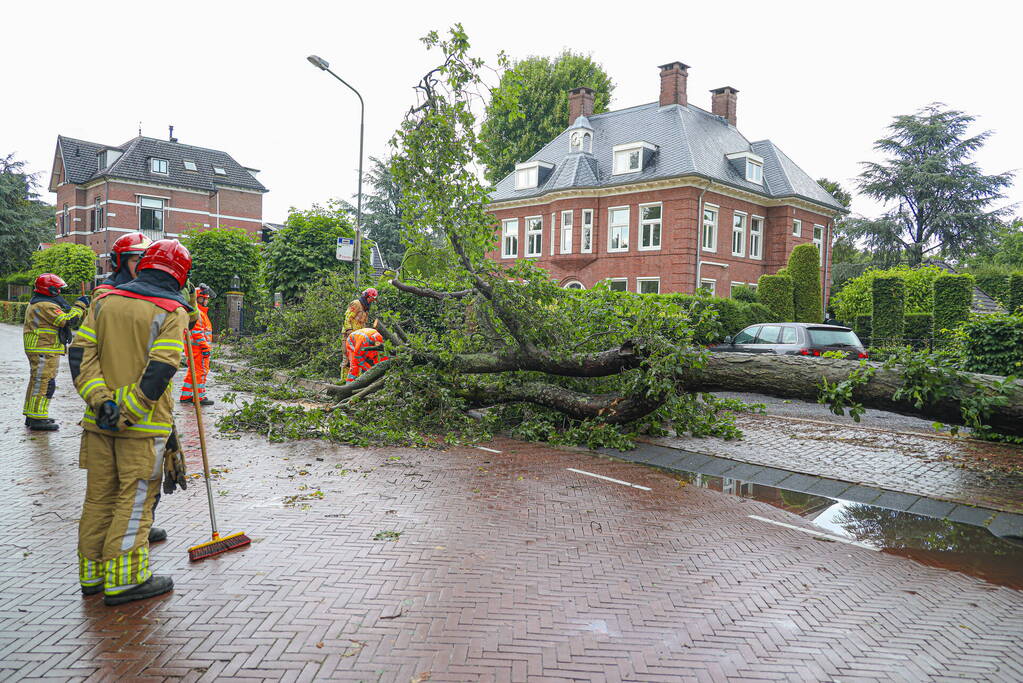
<point x="723" y="102"/>
<point x="673" y="83"/>
<point x="580" y="103"/>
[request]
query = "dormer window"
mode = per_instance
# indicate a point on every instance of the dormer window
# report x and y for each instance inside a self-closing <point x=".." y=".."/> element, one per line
<point x="580" y="141"/>
<point x="632" y="157"/>
<point x="101" y="160"/>
<point x="158" y="166"/>
<point x="531" y="174"/>
<point x="748" y="165"/>
<point x="190" y="165"/>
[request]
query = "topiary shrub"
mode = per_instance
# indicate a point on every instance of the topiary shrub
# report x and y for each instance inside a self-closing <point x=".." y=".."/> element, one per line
<point x="1015" y="292"/>
<point x="862" y="328"/>
<point x="993" y="344"/>
<point x="994" y="282"/>
<point x="805" y="271"/>
<point x="75" y="263"/>
<point x="744" y="293"/>
<point x="889" y="303"/>
<point x="952" y="297"/>
<point x="919" y="329"/>
<point x="775" y="292"/>
<point x="855" y="298"/>
<point x="12" y="312"/>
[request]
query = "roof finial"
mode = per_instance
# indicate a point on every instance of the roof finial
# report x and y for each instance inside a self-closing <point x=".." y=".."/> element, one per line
<point x="140" y="129"/>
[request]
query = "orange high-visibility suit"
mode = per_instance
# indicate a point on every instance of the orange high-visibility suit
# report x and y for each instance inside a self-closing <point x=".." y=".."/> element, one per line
<point x="361" y="352"/>
<point x="200" y="344"/>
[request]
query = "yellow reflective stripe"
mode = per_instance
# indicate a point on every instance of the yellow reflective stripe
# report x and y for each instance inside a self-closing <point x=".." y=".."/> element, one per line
<point x="89" y="386"/>
<point x="86" y="333"/>
<point x="172" y="343"/>
<point x="132" y="404"/>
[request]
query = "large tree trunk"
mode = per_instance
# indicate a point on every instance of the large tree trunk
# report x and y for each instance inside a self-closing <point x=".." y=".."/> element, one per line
<point x="798" y="377"/>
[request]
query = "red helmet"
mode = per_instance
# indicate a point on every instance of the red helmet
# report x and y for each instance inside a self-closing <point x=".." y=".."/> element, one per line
<point x="170" y="256"/>
<point x="132" y="244"/>
<point x="370" y="294"/>
<point x="49" y="284"/>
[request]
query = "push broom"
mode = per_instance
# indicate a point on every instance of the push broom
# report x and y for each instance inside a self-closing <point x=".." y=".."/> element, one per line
<point x="215" y="545"/>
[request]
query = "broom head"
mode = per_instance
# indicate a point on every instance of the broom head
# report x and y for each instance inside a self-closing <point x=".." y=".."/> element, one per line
<point x="217" y="546"/>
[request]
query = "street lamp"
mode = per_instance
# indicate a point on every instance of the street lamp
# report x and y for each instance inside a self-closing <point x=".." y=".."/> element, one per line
<point x="321" y="63"/>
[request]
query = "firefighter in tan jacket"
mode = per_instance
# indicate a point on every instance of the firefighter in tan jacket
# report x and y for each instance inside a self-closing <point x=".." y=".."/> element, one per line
<point x="122" y="362"/>
<point x="47" y="332"/>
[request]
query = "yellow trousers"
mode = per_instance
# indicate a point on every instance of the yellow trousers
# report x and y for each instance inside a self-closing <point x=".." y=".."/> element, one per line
<point x="124" y="476"/>
<point x="42" y="382"/>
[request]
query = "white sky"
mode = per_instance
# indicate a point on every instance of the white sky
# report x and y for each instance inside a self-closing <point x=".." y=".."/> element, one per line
<point x="821" y="79"/>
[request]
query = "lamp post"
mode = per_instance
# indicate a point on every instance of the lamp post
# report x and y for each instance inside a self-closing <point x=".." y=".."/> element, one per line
<point x="321" y="63"/>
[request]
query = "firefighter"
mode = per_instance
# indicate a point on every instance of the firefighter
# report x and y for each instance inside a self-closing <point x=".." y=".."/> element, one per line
<point x="47" y="332"/>
<point x="356" y="317"/>
<point x="124" y="255"/>
<point x="200" y="345"/>
<point x="122" y="363"/>
<point x="362" y="349"/>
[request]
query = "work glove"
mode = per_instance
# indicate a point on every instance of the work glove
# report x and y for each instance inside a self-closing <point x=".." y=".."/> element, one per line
<point x="83" y="301"/>
<point x="108" y="415"/>
<point x="174" y="474"/>
<point x="193" y="302"/>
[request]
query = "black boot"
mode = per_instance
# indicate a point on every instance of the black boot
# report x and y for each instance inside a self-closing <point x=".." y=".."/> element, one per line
<point x="206" y="402"/>
<point x="92" y="590"/>
<point x="37" y="425"/>
<point x="156" y="585"/>
<point x="156" y="534"/>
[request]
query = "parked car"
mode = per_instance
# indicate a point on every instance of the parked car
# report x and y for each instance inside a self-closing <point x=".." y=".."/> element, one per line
<point x="794" y="339"/>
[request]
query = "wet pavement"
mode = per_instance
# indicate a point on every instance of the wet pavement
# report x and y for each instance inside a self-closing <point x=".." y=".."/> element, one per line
<point x="508" y="562"/>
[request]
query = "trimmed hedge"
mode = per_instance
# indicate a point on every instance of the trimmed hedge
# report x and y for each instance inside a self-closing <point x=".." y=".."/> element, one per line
<point x="952" y="297"/>
<point x="994" y="283"/>
<point x="805" y="271"/>
<point x="919" y="328"/>
<point x="775" y="292"/>
<point x="889" y="301"/>
<point x="744" y="293"/>
<point x="732" y="315"/>
<point x="994" y="344"/>
<point x="13" y="312"/>
<point x="862" y="327"/>
<point x="1015" y="292"/>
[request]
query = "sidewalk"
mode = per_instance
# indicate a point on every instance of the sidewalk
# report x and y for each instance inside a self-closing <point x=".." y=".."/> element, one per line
<point x="504" y="562"/>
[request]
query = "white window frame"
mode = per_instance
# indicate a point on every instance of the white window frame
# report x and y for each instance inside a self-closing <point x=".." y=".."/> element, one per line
<point x="527" y="174"/>
<point x="759" y="234"/>
<point x="162" y="210"/>
<point x="739" y="226"/>
<point x="566" y="231"/>
<point x="186" y="162"/>
<point x="641" y="280"/>
<point x="568" y="285"/>
<point x="644" y="222"/>
<point x="510" y="231"/>
<point x="534" y="229"/>
<point x="819" y="241"/>
<point x="622" y="155"/>
<point x="586" y="232"/>
<point x="709" y="283"/>
<point x="155" y="164"/>
<point x="612" y="280"/>
<point x="615" y="228"/>
<point x="704" y="225"/>
<point x="554" y="231"/>
<point x="219" y="170"/>
<point x="754" y="171"/>
<point x="797" y="227"/>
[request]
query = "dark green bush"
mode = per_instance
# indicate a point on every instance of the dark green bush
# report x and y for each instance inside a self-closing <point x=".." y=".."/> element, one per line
<point x="862" y="327"/>
<point x="994" y="282"/>
<point x="952" y="297"/>
<point x="993" y="344"/>
<point x="12" y="312"/>
<point x="920" y="328"/>
<point x="744" y="293"/>
<point x="1015" y="292"/>
<point x="889" y="302"/>
<point x="775" y="292"/>
<point x="805" y="271"/>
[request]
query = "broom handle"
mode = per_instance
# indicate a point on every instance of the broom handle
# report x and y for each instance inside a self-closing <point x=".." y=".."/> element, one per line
<point x="202" y="432"/>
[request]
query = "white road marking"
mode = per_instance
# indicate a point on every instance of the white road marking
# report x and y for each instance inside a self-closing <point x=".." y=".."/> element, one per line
<point x="617" y="481"/>
<point x="830" y="537"/>
<point x="489" y="450"/>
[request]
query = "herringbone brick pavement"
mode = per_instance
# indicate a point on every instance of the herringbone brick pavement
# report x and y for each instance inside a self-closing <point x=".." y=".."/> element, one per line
<point x="506" y="567"/>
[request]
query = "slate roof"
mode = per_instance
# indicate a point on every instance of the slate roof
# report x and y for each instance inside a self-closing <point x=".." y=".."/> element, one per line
<point x="689" y="140"/>
<point x="81" y="164"/>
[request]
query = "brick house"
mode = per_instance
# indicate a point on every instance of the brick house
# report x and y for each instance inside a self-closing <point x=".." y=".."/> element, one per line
<point x="660" y="197"/>
<point x="159" y="187"/>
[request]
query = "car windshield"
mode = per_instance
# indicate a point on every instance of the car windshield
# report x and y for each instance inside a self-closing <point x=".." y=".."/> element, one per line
<point x="825" y="336"/>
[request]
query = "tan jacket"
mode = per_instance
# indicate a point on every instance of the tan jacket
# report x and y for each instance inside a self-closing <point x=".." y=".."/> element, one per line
<point x="41" y="322"/>
<point x="356" y="318"/>
<point x="127" y="351"/>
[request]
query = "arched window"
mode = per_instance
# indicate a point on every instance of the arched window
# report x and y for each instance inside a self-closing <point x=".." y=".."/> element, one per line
<point x="588" y="143"/>
<point x="573" y="284"/>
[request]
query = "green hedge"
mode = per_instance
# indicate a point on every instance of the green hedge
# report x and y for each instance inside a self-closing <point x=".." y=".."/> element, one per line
<point x="805" y="271"/>
<point x="994" y="283"/>
<point x="13" y="312"/>
<point x="862" y="327"/>
<point x="775" y="292"/>
<point x="952" y="297"/>
<point x="731" y="317"/>
<point x="744" y="293"/>
<point x="994" y="344"/>
<point x="889" y="302"/>
<point x="1015" y="292"/>
<point x="918" y="326"/>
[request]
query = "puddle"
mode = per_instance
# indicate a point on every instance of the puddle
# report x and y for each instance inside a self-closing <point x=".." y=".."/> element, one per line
<point x="940" y="543"/>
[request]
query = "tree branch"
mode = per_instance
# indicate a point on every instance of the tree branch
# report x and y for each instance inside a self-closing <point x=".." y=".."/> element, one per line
<point x="430" y="293"/>
<point x="611" y="408"/>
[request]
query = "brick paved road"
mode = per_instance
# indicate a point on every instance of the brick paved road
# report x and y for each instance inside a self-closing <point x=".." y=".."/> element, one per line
<point x="911" y="463"/>
<point x="508" y="567"/>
